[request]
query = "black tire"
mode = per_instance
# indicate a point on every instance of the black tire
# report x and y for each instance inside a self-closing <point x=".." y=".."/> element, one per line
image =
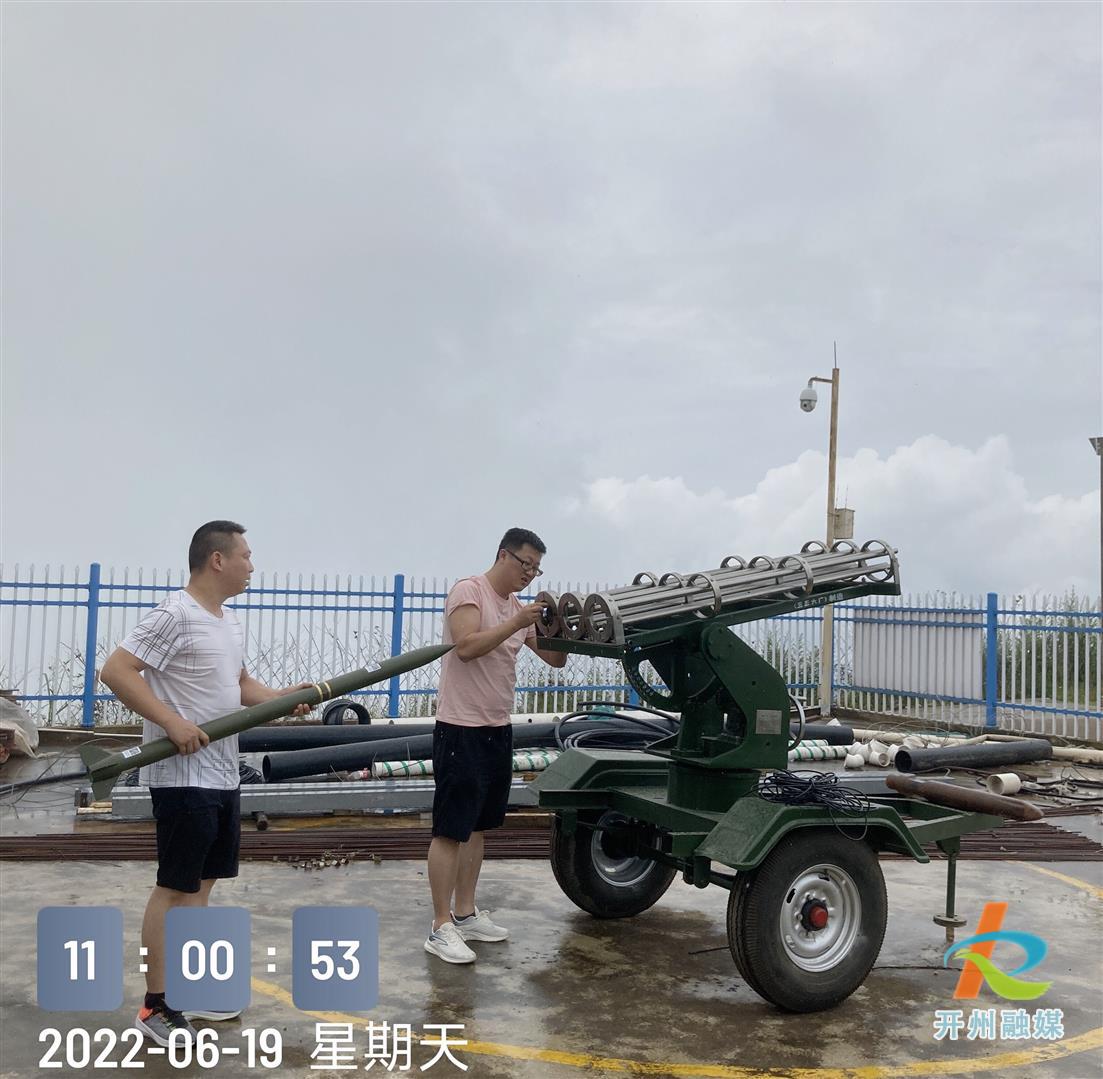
<point x="599" y="877"/>
<point x="782" y="958"/>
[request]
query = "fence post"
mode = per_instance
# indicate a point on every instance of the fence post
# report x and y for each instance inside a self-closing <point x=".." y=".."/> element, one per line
<point x="89" y="703"/>
<point x="399" y="604"/>
<point x="991" y="660"/>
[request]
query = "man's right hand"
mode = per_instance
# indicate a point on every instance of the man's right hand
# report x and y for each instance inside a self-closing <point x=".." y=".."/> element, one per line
<point x="529" y="615"/>
<point x="188" y="737"/>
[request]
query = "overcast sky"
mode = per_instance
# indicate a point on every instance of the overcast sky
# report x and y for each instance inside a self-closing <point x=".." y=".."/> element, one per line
<point x="381" y="281"/>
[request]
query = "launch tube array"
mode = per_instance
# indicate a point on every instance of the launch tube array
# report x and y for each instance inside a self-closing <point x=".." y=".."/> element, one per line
<point x="606" y="617"/>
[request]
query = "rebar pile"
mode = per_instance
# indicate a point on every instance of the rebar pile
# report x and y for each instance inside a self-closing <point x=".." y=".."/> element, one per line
<point x="604" y="617"/>
<point x="1028" y="842"/>
<point x="362" y="842"/>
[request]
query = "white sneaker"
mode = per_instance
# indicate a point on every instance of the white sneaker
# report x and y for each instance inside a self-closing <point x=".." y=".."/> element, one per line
<point x="210" y="1015"/>
<point x="447" y="943"/>
<point x="478" y="926"/>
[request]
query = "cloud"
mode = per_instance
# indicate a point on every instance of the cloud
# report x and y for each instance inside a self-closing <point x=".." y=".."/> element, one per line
<point x="414" y="273"/>
<point x="962" y="518"/>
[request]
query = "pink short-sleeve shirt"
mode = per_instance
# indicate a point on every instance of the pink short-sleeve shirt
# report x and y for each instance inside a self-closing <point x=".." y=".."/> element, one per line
<point x="480" y="692"/>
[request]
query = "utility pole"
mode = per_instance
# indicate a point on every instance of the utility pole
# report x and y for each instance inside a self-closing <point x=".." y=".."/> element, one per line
<point x="808" y="402"/>
<point x="1097" y="445"/>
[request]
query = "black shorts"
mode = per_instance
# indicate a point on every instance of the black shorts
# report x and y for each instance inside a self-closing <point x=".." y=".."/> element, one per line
<point x="473" y="770"/>
<point x="198" y="835"/>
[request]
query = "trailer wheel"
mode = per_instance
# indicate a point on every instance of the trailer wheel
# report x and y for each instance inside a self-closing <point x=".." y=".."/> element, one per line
<point x="599" y="874"/>
<point x="806" y="926"/>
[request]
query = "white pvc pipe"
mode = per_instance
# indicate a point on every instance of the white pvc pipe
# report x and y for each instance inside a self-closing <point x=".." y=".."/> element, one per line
<point x="1004" y="783"/>
<point x="535" y="761"/>
<point x="805" y="752"/>
<point x="1067" y="753"/>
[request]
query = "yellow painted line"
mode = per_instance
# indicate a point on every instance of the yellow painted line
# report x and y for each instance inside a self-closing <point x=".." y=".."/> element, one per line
<point x="1076" y="882"/>
<point x="1017" y="1059"/>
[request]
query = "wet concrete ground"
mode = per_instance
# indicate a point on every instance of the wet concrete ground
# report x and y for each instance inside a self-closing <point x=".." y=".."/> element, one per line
<point x="571" y="996"/>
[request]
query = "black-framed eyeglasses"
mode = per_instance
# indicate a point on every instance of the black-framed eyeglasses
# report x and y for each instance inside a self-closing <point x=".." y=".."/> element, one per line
<point x="526" y="565"/>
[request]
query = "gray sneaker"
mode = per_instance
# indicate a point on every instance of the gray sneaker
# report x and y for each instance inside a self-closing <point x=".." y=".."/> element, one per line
<point x="159" y="1024"/>
<point x="447" y="944"/>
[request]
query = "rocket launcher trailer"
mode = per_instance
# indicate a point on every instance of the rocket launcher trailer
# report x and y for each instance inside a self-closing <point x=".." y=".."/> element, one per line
<point x="798" y="853"/>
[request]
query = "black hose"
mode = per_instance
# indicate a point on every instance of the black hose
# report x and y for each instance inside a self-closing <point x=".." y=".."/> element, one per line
<point x="983" y="755"/>
<point x="278" y="767"/>
<point x="41" y="781"/>
<point x="833" y="733"/>
<point x="286" y="739"/>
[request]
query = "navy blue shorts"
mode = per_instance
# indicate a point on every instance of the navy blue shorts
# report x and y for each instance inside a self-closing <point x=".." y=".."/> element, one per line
<point x="473" y="770"/>
<point x="198" y="835"/>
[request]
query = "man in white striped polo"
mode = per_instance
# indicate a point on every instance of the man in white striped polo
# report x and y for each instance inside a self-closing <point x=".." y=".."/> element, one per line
<point x="181" y="666"/>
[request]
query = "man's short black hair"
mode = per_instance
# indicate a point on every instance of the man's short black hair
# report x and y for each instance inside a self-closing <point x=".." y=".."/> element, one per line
<point x="211" y="537"/>
<point x="516" y="538"/>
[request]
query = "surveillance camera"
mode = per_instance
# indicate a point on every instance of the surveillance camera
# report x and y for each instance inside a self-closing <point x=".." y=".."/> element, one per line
<point x="808" y="398"/>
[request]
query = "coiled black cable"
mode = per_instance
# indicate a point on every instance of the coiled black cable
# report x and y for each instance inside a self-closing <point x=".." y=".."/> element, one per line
<point x="590" y="705"/>
<point x="597" y="726"/>
<point x="817" y="788"/>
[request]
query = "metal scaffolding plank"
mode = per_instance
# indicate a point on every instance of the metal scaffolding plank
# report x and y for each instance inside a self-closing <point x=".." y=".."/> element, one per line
<point x="377" y="796"/>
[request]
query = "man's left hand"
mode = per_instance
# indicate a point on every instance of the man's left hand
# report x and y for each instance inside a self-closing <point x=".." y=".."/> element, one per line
<point x="303" y="709"/>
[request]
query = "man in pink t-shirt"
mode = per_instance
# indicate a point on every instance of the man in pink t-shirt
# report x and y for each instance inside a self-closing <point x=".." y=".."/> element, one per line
<point x="473" y="737"/>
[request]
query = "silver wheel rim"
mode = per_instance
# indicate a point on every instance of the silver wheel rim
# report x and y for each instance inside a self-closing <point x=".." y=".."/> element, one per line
<point x="617" y="871"/>
<point x="820" y="949"/>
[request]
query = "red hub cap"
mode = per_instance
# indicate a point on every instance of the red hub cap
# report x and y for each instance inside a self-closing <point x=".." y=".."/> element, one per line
<point x="814" y="915"/>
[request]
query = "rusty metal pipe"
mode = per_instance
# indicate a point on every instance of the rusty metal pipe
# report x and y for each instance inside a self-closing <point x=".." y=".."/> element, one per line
<point x="969" y="798"/>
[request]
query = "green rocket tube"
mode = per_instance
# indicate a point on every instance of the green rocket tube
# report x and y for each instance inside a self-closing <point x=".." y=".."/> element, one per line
<point x="104" y="766"/>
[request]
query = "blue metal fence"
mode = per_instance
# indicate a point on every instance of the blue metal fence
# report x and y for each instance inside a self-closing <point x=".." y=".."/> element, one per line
<point x="1029" y="663"/>
<point x="294" y="630"/>
<point x="981" y="660"/>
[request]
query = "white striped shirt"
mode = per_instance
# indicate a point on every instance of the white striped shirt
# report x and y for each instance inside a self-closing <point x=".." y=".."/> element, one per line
<point x="194" y="664"/>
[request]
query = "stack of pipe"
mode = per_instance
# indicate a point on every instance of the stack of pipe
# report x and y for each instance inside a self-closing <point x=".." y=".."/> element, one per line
<point x="604" y="617"/>
<point x="363" y="753"/>
<point x="298" y="752"/>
